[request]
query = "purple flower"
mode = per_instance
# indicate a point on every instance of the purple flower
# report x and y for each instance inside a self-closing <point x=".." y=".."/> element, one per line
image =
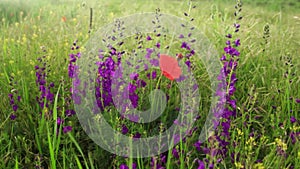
<point x="70" y="112"/>
<point x="141" y="83"/>
<point x="175" y="153"/>
<point x="15" y="107"/>
<point x="10" y="95"/>
<point x="163" y="158"/>
<point x="198" y="145"/>
<point x="293" y="137"/>
<point x="297" y="100"/>
<point x="154" y="62"/>
<point x="237" y="42"/>
<point x="154" y="74"/>
<point x="134" y="165"/>
<point x="181" y="36"/>
<point x="59" y="121"/>
<point x="237" y="25"/>
<point x="223" y="58"/>
<point x="133" y="117"/>
<point x="231" y="51"/>
<point x="51" y="84"/>
<point x="146" y="67"/>
<point x="132" y="88"/>
<point x="124" y="166"/>
<point x="157" y="45"/>
<point x="12" y="116"/>
<point x="184" y="45"/>
<point x="293" y="119"/>
<point x="67" y="129"/>
<point x="188" y="63"/>
<point x="134" y="76"/>
<point x="124" y="129"/>
<point x="201" y="164"/>
<point x="229" y="36"/>
<point x="137" y="135"/>
<point x="149" y="38"/>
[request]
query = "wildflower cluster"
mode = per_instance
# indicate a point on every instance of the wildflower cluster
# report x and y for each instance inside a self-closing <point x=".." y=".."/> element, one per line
<point x="46" y="97"/>
<point x="14" y="98"/>
<point x="218" y="143"/>
<point x="230" y="62"/>
<point x="73" y="73"/>
<point x="106" y="71"/>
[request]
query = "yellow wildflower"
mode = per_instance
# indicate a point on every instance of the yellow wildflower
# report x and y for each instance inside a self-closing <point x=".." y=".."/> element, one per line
<point x="24" y="39"/>
<point x="19" y="72"/>
<point x="259" y="166"/>
<point x="34" y="36"/>
<point x="31" y="62"/>
<point x="281" y="144"/>
<point x="251" y="141"/>
<point x="240" y="133"/>
<point x="238" y="165"/>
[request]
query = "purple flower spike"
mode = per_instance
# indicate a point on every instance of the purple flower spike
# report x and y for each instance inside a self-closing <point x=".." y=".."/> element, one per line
<point x="297" y="100"/>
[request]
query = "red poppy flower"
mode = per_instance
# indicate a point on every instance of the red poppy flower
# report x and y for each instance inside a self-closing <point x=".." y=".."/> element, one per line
<point x="63" y="19"/>
<point x="169" y="67"/>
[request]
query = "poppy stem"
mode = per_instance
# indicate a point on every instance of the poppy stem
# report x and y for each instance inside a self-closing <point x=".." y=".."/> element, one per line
<point x="159" y="80"/>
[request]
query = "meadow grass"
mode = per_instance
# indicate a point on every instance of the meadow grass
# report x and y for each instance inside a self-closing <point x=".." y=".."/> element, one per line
<point x="266" y="92"/>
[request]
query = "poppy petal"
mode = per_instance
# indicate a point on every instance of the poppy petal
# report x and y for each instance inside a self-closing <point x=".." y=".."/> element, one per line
<point x="169" y="67"/>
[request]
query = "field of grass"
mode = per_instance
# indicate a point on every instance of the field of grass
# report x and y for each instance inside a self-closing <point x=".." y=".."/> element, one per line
<point x="41" y="42"/>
